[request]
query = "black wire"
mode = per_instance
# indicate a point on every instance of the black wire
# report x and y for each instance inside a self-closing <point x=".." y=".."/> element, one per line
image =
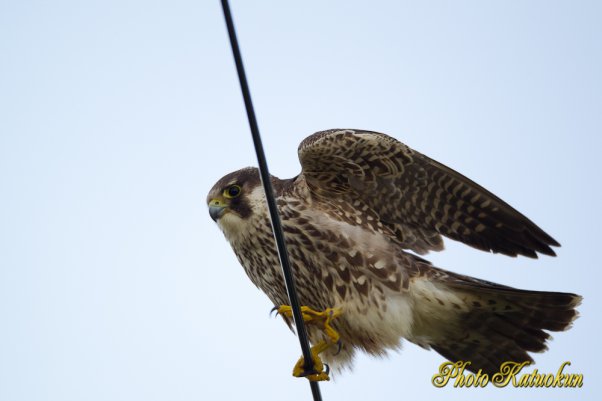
<point x="269" y="193"/>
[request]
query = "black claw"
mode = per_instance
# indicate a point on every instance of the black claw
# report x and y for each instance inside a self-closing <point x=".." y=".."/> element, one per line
<point x="339" y="346"/>
<point x="274" y="309"/>
<point x="326" y="369"/>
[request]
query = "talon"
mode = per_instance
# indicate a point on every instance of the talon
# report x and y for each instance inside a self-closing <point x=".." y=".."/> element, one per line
<point x="274" y="309"/>
<point x="339" y="346"/>
<point x="283" y="310"/>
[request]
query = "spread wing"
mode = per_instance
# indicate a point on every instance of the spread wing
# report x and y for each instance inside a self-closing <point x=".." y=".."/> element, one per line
<point x="416" y="197"/>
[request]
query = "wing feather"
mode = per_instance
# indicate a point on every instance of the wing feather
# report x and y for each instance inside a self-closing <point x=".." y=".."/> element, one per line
<point x="418" y="198"/>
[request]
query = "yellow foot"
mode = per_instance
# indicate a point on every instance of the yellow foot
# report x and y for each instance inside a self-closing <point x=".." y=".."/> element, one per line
<point x="319" y="371"/>
<point x="311" y="316"/>
<point x="323" y="319"/>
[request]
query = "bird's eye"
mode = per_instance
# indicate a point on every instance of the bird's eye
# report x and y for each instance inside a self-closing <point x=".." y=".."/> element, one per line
<point x="232" y="191"/>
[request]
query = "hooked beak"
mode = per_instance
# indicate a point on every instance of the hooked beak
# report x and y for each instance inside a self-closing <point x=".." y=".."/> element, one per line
<point x="216" y="209"/>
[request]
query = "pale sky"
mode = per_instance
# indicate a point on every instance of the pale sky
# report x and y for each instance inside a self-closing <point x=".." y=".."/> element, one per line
<point x="118" y="116"/>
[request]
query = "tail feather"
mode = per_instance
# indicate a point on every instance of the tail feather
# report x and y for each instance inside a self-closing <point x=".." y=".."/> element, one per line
<point x="487" y="323"/>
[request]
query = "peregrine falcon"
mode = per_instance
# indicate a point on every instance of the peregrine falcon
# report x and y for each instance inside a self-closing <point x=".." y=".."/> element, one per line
<point x="355" y="220"/>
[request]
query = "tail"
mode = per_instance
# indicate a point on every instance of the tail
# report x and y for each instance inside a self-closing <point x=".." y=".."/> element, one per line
<point x="467" y="319"/>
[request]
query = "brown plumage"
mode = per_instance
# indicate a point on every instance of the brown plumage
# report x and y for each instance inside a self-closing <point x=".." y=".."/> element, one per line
<point x="363" y="199"/>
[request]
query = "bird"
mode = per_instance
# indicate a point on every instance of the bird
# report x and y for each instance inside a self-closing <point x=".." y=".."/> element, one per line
<point x="357" y="222"/>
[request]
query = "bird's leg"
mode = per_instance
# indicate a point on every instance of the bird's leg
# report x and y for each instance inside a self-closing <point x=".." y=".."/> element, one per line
<point x="323" y="319"/>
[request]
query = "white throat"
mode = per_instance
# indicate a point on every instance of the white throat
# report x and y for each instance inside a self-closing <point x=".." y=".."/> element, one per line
<point x="237" y="229"/>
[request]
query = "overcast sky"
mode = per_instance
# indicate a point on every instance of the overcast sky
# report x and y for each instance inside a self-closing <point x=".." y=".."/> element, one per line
<point x="116" y="118"/>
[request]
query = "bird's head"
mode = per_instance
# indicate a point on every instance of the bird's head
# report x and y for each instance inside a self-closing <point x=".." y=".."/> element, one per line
<point x="234" y="198"/>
